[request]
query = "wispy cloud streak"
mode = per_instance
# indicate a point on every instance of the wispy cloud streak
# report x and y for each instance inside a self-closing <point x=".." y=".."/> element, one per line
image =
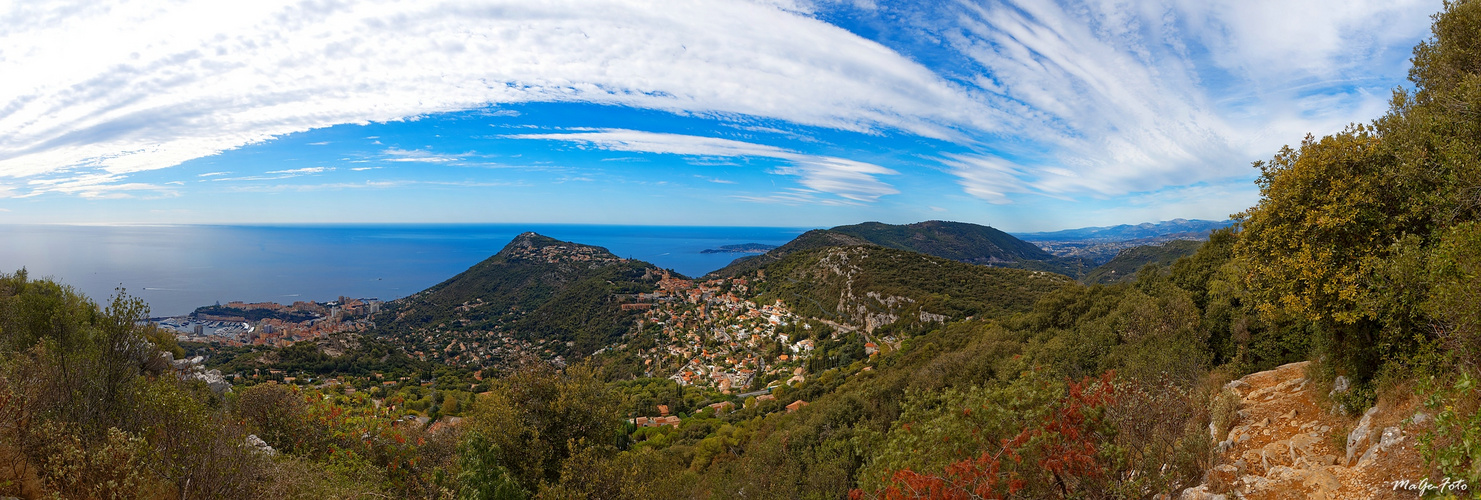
<point x="853" y="180"/>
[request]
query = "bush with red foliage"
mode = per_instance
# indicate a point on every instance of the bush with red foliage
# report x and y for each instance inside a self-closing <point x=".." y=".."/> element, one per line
<point x="1064" y="454"/>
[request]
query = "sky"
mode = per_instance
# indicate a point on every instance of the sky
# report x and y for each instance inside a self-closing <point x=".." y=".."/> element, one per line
<point x="1023" y="115"/>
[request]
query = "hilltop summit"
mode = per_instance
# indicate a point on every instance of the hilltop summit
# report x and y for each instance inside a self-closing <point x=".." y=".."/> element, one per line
<point x="532" y="246"/>
<point x="536" y="289"/>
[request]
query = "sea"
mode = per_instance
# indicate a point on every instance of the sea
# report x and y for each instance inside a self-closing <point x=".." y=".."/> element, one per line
<point x="177" y="268"/>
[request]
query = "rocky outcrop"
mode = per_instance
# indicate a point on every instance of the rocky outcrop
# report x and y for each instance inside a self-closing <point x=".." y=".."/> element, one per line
<point x="1284" y="444"/>
<point x="195" y="369"/>
<point x="258" y="444"/>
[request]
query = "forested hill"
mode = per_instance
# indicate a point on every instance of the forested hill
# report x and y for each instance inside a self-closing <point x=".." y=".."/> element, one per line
<point x="536" y="288"/>
<point x="875" y="288"/>
<point x="1131" y="260"/>
<point x="959" y="241"/>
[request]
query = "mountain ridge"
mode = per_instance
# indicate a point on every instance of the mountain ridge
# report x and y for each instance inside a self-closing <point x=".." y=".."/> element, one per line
<point x="1125" y="232"/>
<point x="959" y="241"/>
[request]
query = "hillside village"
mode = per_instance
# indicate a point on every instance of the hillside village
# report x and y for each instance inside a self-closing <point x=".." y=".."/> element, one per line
<point x="719" y="339"/>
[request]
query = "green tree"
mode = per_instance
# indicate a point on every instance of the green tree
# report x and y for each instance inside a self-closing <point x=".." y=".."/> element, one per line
<point x="539" y="416"/>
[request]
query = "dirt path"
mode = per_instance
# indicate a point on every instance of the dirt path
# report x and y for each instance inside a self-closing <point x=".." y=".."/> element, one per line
<point x="1285" y="446"/>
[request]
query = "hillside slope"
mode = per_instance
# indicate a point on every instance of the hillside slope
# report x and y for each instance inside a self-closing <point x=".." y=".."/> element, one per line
<point x="1130" y="260"/>
<point x="959" y="241"/>
<point x="871" y="288"/>
<point x="817" y="238"/>
<point x="536" y="288"/>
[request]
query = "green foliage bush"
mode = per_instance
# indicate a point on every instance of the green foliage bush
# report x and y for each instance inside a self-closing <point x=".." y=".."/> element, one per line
<point x="1454" y="445"/>
<point x="538" y="417"/>
<point x="87" y="405"/>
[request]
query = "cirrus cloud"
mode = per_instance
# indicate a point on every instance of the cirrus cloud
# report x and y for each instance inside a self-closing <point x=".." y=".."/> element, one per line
<point x="849" y="179"/>
<point x="150" y="85"/>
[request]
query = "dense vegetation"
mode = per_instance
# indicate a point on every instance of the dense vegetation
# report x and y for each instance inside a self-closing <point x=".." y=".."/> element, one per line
<point x="1363" y="254"/>
<point x="960" y="241"/>
<point x="865" y="285"/>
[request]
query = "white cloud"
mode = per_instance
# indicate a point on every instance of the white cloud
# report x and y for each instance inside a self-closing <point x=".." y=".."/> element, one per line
<point x="418" y="156"/>
<point x="986" y="177"/>
<point x="277" y="174"/>
<point x="795" y="196"/>
<point x="1283" y="40"/>
<point x="1120" y="97"/>
<point x="302" y="171"/>
<point x="387" y="184"/>
<point x="652" y="142"/>
<point x="130" y="86"/>
<point x="849" y="179"/>
<point x="97" y="186"/>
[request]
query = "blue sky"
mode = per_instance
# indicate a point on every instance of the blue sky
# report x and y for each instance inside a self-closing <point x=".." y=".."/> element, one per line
<point x="1024" y="115"/>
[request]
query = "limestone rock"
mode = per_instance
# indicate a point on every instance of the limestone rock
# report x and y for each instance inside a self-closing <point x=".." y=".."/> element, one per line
<point x="1200" y="492"/>
<point x="1323" y="482"/>
<point x="1340" y="385"/>
<point x="1360" y="436"/>
<point x="261" y="446"/>
<point x="1391" y="437"/>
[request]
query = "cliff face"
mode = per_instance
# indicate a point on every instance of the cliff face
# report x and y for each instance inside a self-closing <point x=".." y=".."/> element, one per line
<point x="1282" y="444"/>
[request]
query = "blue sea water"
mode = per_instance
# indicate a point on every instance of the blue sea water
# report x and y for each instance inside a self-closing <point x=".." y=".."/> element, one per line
<point x="178" y="268"/>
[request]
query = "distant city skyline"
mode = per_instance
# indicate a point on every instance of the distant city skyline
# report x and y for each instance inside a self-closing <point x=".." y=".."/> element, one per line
<point x="1026" y="116"/>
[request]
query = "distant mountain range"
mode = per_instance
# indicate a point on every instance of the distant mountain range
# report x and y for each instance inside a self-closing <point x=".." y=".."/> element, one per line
<point x="1099" y="245"/>
<point x="1192" y="228"/>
